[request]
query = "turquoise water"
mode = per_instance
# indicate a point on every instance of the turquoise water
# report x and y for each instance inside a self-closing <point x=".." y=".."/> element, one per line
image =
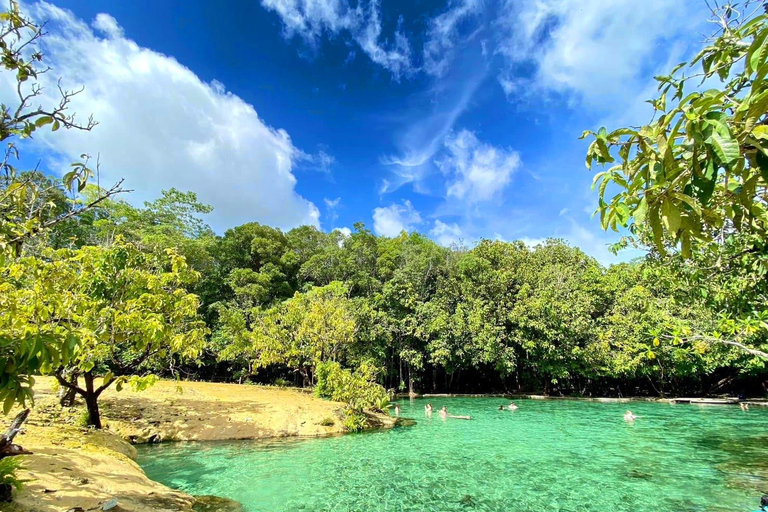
<point x="547" y="456"/>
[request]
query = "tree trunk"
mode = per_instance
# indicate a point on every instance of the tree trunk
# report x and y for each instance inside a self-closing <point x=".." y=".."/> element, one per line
<point x="67" y="397"/>
<point x="7" y="447"/>
<point x="91" y="402"/>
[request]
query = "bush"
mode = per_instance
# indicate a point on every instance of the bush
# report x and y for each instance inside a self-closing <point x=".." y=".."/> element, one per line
<point x="8" y="479"/>
<point x="281" y="383"/>
<point x="354" y="421"/>
<point x="358" y="390"/>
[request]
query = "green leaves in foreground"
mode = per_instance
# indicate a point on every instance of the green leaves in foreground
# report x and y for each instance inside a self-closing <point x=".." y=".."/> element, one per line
<point x="701" y="168"/>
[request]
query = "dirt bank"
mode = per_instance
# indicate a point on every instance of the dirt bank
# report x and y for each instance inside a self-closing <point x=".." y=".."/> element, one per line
<point x="72" y="467"/>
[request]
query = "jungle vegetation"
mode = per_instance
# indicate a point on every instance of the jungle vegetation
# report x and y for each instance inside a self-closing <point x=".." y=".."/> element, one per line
<point x="99" y="291"/>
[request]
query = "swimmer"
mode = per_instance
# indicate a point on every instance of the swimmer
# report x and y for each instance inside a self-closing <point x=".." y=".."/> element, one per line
<point x="763" y="504"/>
<point x="628" y="416"/>
<point x="444" y="412"/>
<point x="512" y="406"/>
<point x="501" y="407"/>
<point x="397" y="409"/>
<point x="428" y="409"/>
<point x="744" y="407"/>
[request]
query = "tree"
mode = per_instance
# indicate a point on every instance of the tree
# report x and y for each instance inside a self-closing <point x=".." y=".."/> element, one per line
<point x="25" y="208"/>
<point x="100" y="310"/>
<point x="696" y="178"/>
<point x="700" y="170"/>
<point x="299" y="333"/>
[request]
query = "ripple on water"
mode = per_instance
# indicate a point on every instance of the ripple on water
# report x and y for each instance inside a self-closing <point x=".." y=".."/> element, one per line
<point x="546" y="456"/>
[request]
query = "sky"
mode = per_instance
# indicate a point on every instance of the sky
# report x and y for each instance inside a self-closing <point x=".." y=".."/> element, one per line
<point x="458" y="119"/>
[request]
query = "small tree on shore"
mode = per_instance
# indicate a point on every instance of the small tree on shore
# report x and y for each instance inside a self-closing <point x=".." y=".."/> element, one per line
<point x="138" y="310"/>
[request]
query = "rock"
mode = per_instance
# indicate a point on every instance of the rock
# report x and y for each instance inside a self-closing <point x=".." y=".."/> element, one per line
<point x="216" y="504"/>
<point x="109" y="505"/>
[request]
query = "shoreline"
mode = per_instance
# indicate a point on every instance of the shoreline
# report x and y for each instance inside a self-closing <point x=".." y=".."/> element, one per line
<point x="73" y="467"/>
<point x="726" y="400"/>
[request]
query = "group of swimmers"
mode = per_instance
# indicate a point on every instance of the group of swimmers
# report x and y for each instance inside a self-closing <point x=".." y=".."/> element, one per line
<point x="444" y="413"/>
<point x="629" y="416"/>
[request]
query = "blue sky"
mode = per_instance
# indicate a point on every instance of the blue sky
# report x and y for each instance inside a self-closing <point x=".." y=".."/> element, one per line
<point x="457" y="119"/>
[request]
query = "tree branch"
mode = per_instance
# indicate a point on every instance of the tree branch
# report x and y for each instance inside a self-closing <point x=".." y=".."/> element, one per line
<point x="72" y="213"/>
<point x="712" y="340"/>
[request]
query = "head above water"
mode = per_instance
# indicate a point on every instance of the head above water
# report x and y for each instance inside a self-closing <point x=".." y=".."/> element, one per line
<point x="764" y="502"/>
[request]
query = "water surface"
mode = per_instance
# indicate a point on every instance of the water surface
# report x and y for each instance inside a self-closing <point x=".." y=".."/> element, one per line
<point x="547" y="456"/>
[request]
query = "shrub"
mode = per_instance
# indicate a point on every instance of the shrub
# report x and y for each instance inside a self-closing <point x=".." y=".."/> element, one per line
<point x="281" y="383"/>
<point x="354" y="421"/>
<point x="8" y="479"/>
<point x="358" y="390"/>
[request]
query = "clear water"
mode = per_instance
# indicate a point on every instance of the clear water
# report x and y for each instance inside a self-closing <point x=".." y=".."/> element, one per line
<point x="546" y="456"/>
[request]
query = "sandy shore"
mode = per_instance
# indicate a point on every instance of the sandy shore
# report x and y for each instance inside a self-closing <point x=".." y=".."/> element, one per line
<point x="72" y="467"/>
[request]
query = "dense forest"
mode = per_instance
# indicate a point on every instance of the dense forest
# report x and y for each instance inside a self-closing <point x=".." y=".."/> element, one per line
<point x="92" y="285"/>
<point x="497" y="317"/>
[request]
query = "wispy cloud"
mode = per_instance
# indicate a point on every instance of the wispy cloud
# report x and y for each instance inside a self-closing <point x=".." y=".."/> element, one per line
<point x="313" y="19"/>
<point x="596" y="51"/>
<point x="442" y="32"/>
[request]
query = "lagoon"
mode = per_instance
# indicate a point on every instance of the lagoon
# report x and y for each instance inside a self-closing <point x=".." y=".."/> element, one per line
<point x="549" y="455"/>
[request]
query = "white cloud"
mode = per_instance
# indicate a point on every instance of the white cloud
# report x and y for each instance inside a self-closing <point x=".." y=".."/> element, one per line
<point x="532" y="242"/>
<point x="476" y="171"/>
<point x="442" y="32"/>
<point x="344" y="231"/>
<point x="312" y="19"/>
<point x="598" y="50"/>
<point x="332" y="206"/>
<point x="391" y="220"/>
<point x="161" y="126"/>
<point x="108" y="25"/>
<point x="446" y="234"/>
<point x="426" y="132"/>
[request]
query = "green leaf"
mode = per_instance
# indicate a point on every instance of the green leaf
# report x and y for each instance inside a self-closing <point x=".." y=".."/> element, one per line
<point x="670" y="215"/>
<point x="43" y="121"/>
<point x="640" y="211"/>
<point x="726" y="148"/>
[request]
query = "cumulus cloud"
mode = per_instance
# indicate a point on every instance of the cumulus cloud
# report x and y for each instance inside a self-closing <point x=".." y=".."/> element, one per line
<point x="107" y="25"/>
<point x="160" y="126"/>
<point x="446" y="234"/>
<point x="391" y="220"/>
<point x="344" y="231"/>
<point x="476" y="171"/>
<point x="313" y="19"/>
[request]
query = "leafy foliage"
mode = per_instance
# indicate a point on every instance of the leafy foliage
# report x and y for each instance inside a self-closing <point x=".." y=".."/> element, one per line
<point x="696" y="179"/>
<point x="701" y="168"/>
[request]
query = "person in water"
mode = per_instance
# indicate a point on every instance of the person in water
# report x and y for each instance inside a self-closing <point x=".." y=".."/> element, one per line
<point x="512" y="406"/>
<point x="628" y="416"/>
<point x="501" y="407"/>
<point x="444" y="412"/>
<point x="428" y="409"/>
<point x="397" y="409"/>
<point x="763" y="504"/>
<point x="744" y="407"/>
